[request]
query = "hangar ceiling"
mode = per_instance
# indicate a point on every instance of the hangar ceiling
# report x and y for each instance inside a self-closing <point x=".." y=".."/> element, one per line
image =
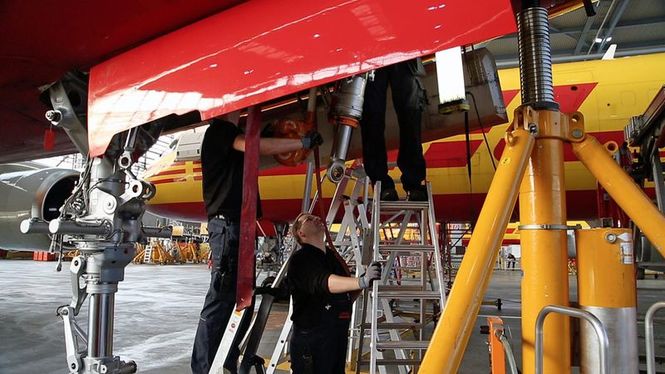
<point x="635" y="26"/>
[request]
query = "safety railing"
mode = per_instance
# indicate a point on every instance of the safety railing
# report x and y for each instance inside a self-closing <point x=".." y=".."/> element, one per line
<point x="576" y="313"/>
<point x="648" y="333"/>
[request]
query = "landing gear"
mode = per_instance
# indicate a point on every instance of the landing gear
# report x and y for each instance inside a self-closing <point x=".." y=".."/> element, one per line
<point x="102" y="218"/>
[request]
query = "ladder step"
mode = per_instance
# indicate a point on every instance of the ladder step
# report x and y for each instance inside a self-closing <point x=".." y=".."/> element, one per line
<point x="403" y="287"/>
<point x="393" y="361"/>
<point x="403" y="344"/>
<point x="403" y="205"/>
<point x="433" y="295"/>
<point x="406" y="247"/>
<point x="393" y="325"/>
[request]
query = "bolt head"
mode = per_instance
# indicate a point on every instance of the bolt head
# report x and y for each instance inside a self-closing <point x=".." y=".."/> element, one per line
<point x="54" y="116"/>
<point x="611" y="238"/>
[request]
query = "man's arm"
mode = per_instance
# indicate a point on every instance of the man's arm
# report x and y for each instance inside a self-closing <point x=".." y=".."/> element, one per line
<point x="270" y="146"/>
<point x="273" y="146"/>
<point x="340" y="284"/>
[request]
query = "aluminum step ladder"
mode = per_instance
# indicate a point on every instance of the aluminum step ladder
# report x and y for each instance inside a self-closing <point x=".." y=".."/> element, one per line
<point x="411" y="293"/>
<point x="347" y="241"/>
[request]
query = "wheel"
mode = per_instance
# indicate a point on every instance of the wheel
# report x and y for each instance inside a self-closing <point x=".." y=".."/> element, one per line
<point x="268" y="281"/>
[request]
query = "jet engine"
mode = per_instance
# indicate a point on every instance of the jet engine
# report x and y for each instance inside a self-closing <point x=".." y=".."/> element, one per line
<point x="26" y="192"/>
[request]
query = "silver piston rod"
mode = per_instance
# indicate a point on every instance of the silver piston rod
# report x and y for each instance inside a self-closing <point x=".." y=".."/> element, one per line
<point x="346" y="112"/>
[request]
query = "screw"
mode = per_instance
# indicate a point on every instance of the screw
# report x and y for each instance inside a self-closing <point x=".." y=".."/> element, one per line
<point x="54" y="116"/>
<point x="577" y="133"/>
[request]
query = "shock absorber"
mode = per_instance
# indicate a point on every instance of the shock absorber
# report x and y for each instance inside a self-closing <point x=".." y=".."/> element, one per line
<point x="346" y="112"/>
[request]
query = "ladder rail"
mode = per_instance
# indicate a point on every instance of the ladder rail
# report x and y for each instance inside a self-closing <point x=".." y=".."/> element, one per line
<point x="437" y="249"/>
<point x="376" y="205"/>
<point x="417" y="238"/>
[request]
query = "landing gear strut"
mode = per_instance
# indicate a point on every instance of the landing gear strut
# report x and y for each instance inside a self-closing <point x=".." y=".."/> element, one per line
<point x="102" y="218"/>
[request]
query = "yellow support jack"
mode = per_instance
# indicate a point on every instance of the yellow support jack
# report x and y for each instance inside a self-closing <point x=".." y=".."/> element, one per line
<point x="533" y="162"/>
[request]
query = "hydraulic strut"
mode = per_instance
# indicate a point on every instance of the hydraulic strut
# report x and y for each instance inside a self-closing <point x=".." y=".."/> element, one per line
<point x="346" y="113"/>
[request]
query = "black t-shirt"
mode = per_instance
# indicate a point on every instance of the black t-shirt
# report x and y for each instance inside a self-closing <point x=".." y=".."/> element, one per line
<point x="313" y="304"/>
<point x="222" y="168"/>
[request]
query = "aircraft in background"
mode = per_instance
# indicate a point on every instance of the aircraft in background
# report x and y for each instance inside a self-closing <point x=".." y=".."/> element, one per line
<point x="607" y="92"/>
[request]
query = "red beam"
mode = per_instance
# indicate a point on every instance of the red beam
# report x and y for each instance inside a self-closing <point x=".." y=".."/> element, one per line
<point x="246" y="259"/>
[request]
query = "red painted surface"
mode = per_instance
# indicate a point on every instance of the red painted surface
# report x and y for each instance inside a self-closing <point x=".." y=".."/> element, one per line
<point x="42" y="40"/>
<point x="250" y="179"/>
<point x="449" y="154"/>
<point x="239" y="58"/>
<point x="570" y="97"/>
<point x="508" y="96"/>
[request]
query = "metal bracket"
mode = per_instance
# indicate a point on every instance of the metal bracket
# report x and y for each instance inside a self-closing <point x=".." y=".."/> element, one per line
<point x="63" y="116"/>
<point x="72" y="333"/>
<point x="79" y="294"/>
<point x="546" y="124"/>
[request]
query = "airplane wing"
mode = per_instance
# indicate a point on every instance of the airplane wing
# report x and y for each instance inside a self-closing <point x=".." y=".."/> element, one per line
<point x="145" y="59"/>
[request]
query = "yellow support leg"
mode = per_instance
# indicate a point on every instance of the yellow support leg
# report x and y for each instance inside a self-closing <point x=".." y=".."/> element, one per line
<point x="544" y="249"/>
<point x="451" y="335"/>
<point x="628" y="195"/>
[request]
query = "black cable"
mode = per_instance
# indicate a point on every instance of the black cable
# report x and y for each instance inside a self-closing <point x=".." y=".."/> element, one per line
<point x="482" y="129"/>
<point x="467" y="134"/>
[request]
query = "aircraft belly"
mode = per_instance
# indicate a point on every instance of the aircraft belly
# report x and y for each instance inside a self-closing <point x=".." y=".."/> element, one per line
<point x="236" y="59"/>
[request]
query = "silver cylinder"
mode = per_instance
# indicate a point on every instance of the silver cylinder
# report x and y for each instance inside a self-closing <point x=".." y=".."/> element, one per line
<point x="100" y="325"/>
<point x="535" y="56"/>
<point x="349" y="98"/>
<point x="339" y="151"/>
<point x="58" y="226"/>
<point x="621" y="327"/>
<point x="341" y="144"/>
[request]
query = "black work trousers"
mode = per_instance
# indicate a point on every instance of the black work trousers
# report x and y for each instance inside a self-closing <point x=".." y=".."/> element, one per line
<point x="409" y="102"/>
<point x="321" y="350"/>
<point x="220" y="299"/>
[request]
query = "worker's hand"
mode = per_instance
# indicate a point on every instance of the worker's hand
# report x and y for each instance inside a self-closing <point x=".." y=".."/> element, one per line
<point x="372" y="273"/>
<point x="311" y="139"/>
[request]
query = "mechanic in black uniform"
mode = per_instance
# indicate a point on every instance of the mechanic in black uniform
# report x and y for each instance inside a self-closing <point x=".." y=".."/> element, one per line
<point x="321" y="300"/>
<point x="222" y="161"/>
<point x="409" y="100"/>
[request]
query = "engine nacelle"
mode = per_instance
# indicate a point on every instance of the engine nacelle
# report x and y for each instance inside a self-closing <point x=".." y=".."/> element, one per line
<point x="28" y="192"/>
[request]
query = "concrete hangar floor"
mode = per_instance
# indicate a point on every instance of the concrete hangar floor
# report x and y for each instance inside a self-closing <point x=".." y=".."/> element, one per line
<point x="157" y="310"/>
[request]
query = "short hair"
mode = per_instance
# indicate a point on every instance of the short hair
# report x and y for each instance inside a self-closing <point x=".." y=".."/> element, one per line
<point x="295" y="227"/>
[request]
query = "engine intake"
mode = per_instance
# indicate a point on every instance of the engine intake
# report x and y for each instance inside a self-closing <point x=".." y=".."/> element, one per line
<point x="31" y="194"/>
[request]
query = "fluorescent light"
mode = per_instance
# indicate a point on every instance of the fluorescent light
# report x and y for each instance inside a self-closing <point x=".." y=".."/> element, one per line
<point x="450" y="75"/>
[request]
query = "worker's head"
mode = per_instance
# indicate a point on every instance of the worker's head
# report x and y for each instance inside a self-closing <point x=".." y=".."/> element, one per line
<point x="307" y="227"/>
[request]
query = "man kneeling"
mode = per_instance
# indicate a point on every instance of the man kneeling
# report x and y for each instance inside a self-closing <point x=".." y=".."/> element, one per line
<point x="322" y="300"/>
